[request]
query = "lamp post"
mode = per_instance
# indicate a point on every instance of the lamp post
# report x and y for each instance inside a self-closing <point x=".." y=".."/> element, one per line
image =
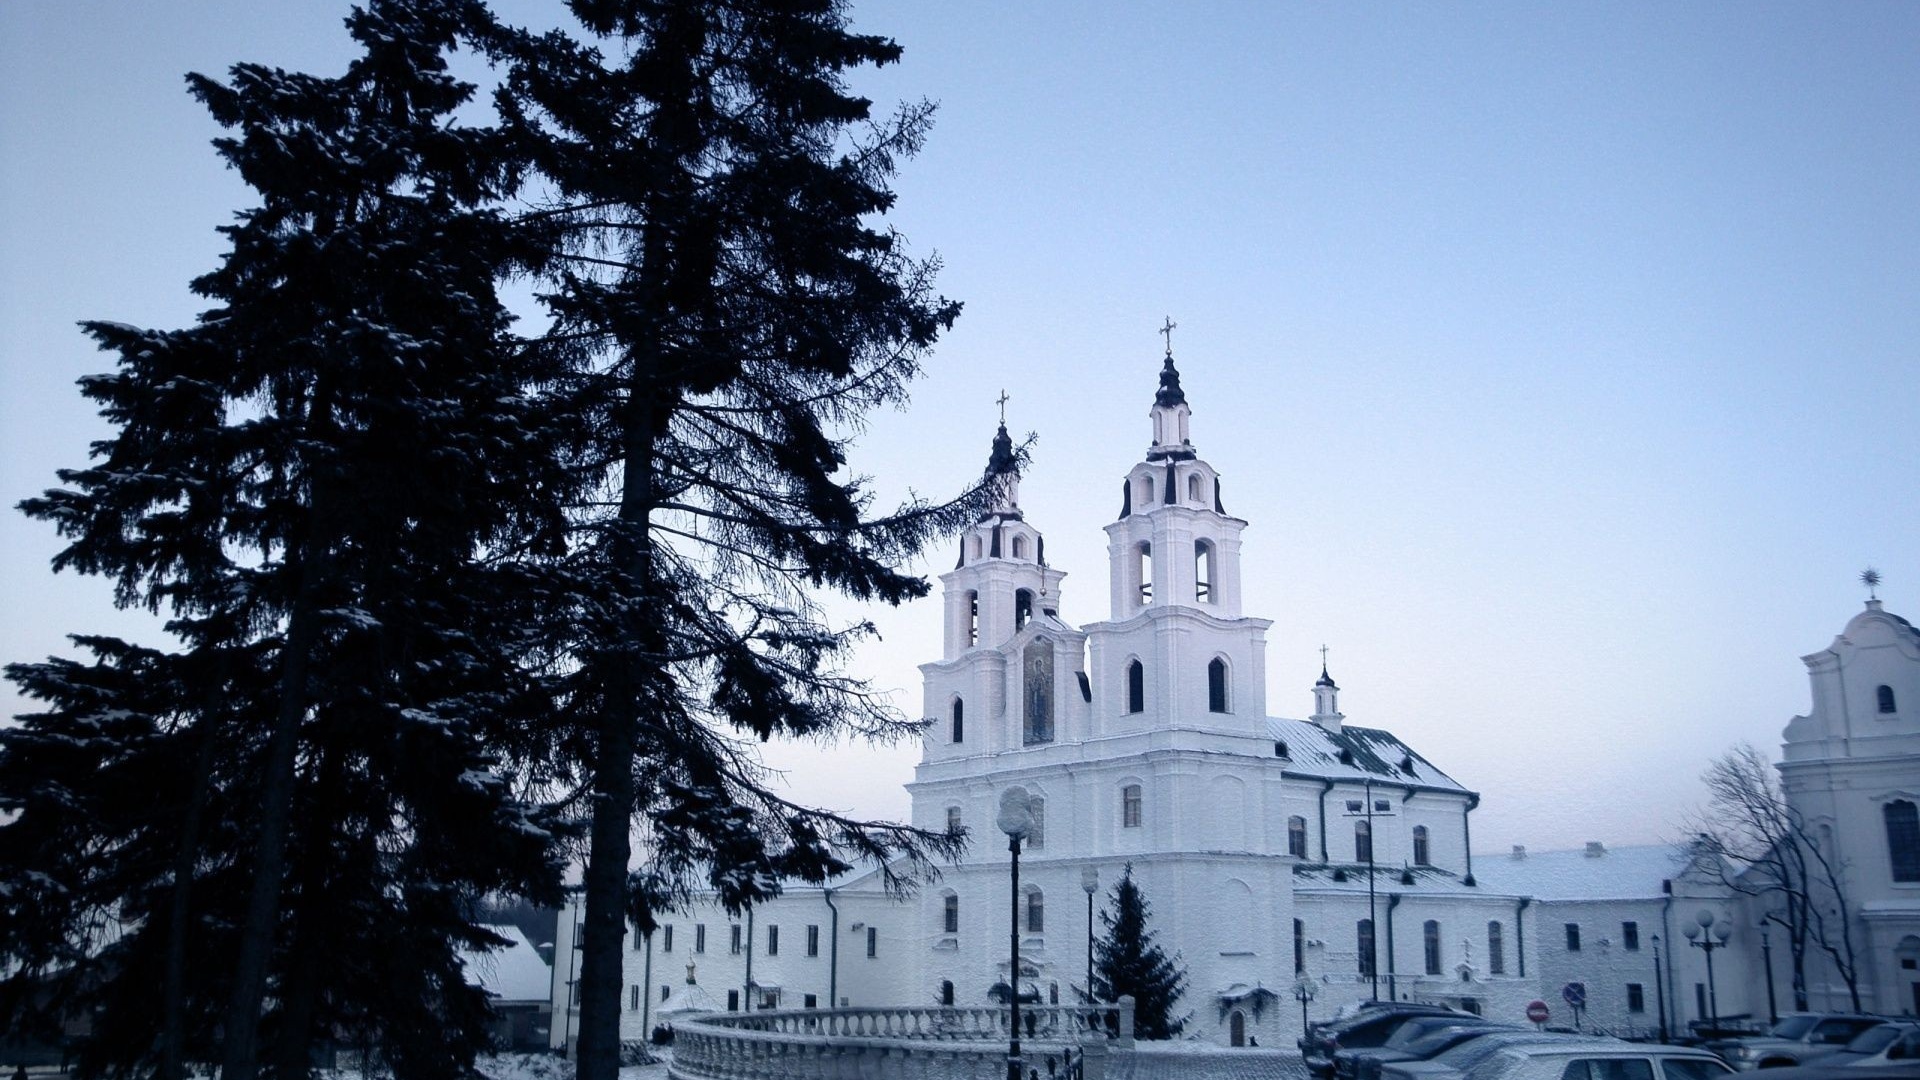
<point x="1766" y="958"/>
<point x="1659" y="988"/>
<point x="1090" y="884"/>
<point x="1016" y="820"/>
<point x="1303" y="993"/>
<point x="1709" y="933"/>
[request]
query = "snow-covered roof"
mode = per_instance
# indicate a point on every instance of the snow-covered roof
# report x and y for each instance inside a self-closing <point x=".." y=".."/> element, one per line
<point x="1625" y="873"/>
<point x="514" y="972"/>
<point x="1355" y="753"/>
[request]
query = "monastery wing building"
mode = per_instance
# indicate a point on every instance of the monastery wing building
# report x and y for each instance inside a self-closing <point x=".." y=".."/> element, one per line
<point x="1278" y="854"/>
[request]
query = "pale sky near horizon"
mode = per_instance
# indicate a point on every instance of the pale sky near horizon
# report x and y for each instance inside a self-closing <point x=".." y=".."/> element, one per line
<point x="1561" y="357"/>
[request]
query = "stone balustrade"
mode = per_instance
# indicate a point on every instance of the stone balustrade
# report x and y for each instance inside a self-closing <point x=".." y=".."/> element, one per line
<point x="912" y="1042"/>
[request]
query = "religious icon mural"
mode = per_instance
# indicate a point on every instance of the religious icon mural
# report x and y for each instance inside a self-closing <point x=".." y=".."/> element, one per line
<point x="1037" y="694"/>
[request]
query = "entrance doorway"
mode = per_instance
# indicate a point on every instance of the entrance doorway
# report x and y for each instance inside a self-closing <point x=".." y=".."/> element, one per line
<point x="1237" y="1028"/>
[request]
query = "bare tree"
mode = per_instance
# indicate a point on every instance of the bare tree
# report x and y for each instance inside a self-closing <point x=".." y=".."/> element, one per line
<point x="1767" y="850"/>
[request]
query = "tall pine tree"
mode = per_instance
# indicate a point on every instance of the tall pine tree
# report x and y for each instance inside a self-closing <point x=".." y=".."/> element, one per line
<point x="729" y="312"/>
<point x="1127" y="961"/>
<point x="333" y="483"/>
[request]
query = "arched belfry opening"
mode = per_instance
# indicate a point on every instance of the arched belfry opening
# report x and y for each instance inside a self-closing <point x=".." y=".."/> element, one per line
<point x="1022" y="609"/>
<point x="1203" y="568"/>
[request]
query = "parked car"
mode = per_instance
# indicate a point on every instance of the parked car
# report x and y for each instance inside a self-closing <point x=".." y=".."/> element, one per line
<point x="1571" y="1058"/>
<point x="1819" y="1071"/>
<point x="1896" y="1042"/>
<point x="1370" y="1025"/>
<point x="1795" y="1039"/>
<point x="1463" y="1058"/>
<point x="1416" y="1040"/>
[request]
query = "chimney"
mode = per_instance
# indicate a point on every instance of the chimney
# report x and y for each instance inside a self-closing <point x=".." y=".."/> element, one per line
<point x="1595" y="849"/>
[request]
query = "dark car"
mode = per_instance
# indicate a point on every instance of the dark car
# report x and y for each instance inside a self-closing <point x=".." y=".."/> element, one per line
<point x="1370" y="1026"/>
<point x="1415" y="1043"/>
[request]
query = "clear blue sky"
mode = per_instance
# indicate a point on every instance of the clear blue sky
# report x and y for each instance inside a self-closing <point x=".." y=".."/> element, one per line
<point x="1560" y="356"/>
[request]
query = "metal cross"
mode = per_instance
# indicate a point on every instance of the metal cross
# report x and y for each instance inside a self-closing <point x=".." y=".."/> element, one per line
<point x="1003" y="399"/>
<point x="1323" y="657"/>
<point x="1166" y="331"/>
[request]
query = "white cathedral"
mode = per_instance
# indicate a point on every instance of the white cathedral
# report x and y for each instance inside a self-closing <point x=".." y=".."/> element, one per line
<point x="1283" y="857"/>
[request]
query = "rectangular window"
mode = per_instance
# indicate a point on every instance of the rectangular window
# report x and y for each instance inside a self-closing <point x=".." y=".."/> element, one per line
<point x="733" y="1001"/>
<point x="1496" y="950"/>
<point x="1573" y="937"/>
<point x="950" y="915"/>
<point x="664" y="991"/>
<point x="1037" y="834"/>
<point x="953" y="819"/>
<point x="773" y="940"/>
<point x="1299" y="947"/>
<point x="666" y="938"/>
<point x="699" y="937"/>
<point x="873" y="942"/>
<point x="1364" y="946"/>
<point x="1636" y="998"/>
<point x="733" y="939"/>
<point x="1630" y="936"/>
<point x="633" y="998"/>
<point x="1355" y="806"/>
<point x="1036" y="912"/>
<point x="1431" y="940"/>
<point x="813" y="941"/>
<point x="1130" y="806"/>
<point x="809" y="1001"/>
<point x="1382" y="806"/>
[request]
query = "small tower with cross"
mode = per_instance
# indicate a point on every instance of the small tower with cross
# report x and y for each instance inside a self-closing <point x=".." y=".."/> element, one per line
<point x="1326" y="698"/>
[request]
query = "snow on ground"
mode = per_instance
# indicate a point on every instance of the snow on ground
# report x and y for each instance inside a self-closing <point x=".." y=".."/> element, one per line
<point x="529" y="1067"/>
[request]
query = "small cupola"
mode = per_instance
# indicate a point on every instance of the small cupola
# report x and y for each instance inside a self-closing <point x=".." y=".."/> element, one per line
<point x="1326" y="698"/>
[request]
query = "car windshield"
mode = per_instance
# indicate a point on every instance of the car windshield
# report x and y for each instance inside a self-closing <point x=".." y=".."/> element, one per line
<point x="1793" y="1027"/>
<point x="1873" y="1040"/>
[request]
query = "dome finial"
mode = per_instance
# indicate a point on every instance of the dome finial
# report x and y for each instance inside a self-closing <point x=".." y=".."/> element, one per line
<point x="1169" y="393"/>
<point x="1325" y="679"/>
<point x="1871" y="579"/>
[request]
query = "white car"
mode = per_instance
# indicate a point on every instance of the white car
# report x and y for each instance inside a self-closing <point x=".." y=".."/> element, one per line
<point x="1571" y="1059"/>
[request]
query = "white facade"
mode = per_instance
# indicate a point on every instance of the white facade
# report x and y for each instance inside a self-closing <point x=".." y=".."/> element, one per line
<point x="1851" y="768"/>
<point x="1145" y="739"/>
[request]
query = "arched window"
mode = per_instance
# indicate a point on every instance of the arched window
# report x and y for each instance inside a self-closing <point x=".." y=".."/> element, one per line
<point x="946" y="991"/>
<point x="1136" y="687"/>
<point x="1036" y="911"/>
<point x="1217" y="685"/>
<point x="1019" y="547"/>
<point x="1280" y="749"/>
<point x="1146" y="491"/>
<point x="1193" y="487"/>
<point x="1022" y="608"/>
<point x="959" y="720"/>
<point x="1364" y="943"/>
<point x="1037" y="832"/>
<point x="1130" y="806"/>
<point x="1363" y="841"/>
<point x="1885" y="694"/>
<point x="1144" y="556"/>
<point x="975" y="545"/>
<point x="1496" y="950"/>
<point x="950" y="914"/>
<point x="973" y="619"/>
<point x="1420" y="855"/>
<point x="1430" y="936"/>
<point x="1203" y="572"/>
<point x="1297" y="836"/>
<point x="1053" y="993"/>
<point x="1903" y="840"/>
<point x="953" y="819"/>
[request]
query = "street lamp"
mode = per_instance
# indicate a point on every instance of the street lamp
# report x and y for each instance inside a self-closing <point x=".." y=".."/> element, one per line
<point x="1766" y="957"/>
<point x="1303" y="993"/>
<point x="1016" y="820"/>
<point x="1709" y="933"/>
<point x="1659" y="988"/>
<point x="1089" y="884"/>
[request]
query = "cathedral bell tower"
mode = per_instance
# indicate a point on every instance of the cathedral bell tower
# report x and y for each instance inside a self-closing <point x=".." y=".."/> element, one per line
<point x="1176" y="648"/>
<point x="1011" y="673"/>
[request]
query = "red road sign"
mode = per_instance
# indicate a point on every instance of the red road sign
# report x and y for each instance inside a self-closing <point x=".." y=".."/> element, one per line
<point x="1537" y="1011"/>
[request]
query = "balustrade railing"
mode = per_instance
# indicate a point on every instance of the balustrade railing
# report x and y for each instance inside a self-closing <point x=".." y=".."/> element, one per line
<point x="921" y="1042"/>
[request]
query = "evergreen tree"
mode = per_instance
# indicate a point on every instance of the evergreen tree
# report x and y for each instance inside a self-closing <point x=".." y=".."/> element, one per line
<point x="1126" y="961"/>
<point x="729" y="312"/>
<point x="332" y="483"/>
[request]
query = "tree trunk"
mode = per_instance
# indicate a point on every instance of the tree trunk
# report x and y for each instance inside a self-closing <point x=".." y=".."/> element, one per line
<point x="173" y="989"/>
<point x="604" y="929"/>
